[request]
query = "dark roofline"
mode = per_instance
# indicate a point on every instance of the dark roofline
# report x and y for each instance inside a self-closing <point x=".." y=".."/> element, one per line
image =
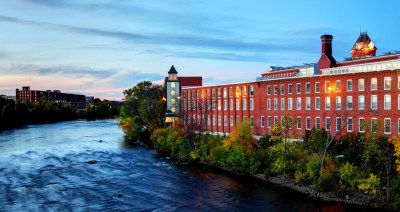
<point x="172" y="70"/>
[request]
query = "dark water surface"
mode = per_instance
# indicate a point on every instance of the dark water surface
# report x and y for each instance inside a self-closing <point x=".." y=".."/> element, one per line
<point x="42" y="169"/>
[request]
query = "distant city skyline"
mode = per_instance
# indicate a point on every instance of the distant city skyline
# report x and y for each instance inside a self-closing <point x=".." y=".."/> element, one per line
<point x="99" y="48"/>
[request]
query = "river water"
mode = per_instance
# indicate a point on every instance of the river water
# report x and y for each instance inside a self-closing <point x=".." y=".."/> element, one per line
<point x="43" y="169"/>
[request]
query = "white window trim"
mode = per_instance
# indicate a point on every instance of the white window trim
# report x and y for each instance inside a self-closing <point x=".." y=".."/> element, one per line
<point x="347" y="103"/>
<point x="352" y="124"/>
<point x="376" y="102"/>
<point x="358" y="84"/>
<point x="330" y="103"/>
<point x="326" y="126"/>
<point x="316" y="103"/>
<point x="347" y="85"/>
<point x="307" y="83"/>
<point x="308" y="100"/>
<point x="316" y="118"/>
<point x="261" y="121"/>
<point x="297" y="118"/>
<point x="308" y="127"/>
<point x="359" y="124"/>
<point x="384" y="80"/>
<point x="384" y="102"/>
<point x="376" y="84"/>
<point x="358" y="103"/>
<point x="315" y="89"/>
<point x="292" y="103"/>
<point x="384" y="127"/>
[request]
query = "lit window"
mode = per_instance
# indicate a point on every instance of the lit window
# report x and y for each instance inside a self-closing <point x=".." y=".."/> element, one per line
<point x="172" y="92"/>
<point x="387" y="83"/>
<point x="230" y="92"/>
<point x="219" y="92"/>
<point x="374" y="84"/>
<point x="251" y="88"/>
<point x="225" y="93"/>
<point x="244" y="92"/>
<point x="173" y="109"/>
<point x="219" y="104"/>
<point x="173" y="101"/>
<point x="338" y="85"/>
<point x="361" y="86"/>
<point x="237" y="92"/>
<point x="328" y="87"/>
<point x="172" y="84"/>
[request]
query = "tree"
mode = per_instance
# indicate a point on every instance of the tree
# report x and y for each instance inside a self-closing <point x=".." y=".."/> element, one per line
<point x="143" y="110"/>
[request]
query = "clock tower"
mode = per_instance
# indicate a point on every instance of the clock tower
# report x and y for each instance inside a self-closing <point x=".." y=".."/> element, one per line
<point x="173" y="95"/>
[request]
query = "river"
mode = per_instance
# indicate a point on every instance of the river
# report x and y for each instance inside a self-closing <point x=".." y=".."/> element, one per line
<point x="43" y="169"/>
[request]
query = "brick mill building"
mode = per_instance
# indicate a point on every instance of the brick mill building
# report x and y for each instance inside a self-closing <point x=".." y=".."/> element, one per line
<point x="366" y="87"/>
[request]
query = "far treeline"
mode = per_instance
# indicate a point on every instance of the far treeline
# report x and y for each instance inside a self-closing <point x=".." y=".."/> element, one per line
<point x="14" y="114"/>
<point x="348" y="164"/>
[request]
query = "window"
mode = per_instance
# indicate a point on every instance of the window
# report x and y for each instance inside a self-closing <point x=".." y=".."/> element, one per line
<point x="269" y="121"/>
<point x="225" y="105"/>
<point x="244" y="92"/>
<point x="268" y="90"/>
<point x="173" y="109"/>
<point x="308" y="123"/>
<point x="262" y="121"/>
<point x="290" y="103"/>
<point x="308" y="87"/>
<point x="338" y="86"/>
<point x="398" y="126"/>
<point x="184" y="94"/>
<point x="282" y="89"/>
<point x="219" y="104"/>
<point x="213" y="93"/>
<point x="317" y="103"/>
<point x="361" y="86"/>
<point x="275" y="89"/>
<point x="338" y="103"/>
<point x="290" y="89"/>
<point x="318" y="122"/>
<point x="275" y="120"/>
<point x="328" y="87"/>
<point x="398" y="82"/>
<point x="193" y="95"/>
<point x="219" y="120"/>
<point x="172" y="92"/>
<point x="269" y="104"/>
<point x="213" y="120"/>
<point x="173" y="101"/>
<point x="298" y="122"/>
<point x="361" y="125"/>
<point x="231" y="92"/>
<point x="361" y="102"/>
<point x="349" y="85"/>
<point x="231" y="121"/>
<point x="213" y="104"/>
<point x="282" y="104"/>
<point x="251" y="90"/>
<point x="349" y="101"/>
<point x="328" y="123"/>
<point x="387" y="126"/>
<point x="230" y="104"/>
<point x="237" y="120"/>
<point x="172" y="84"/>
<point x="349" y="124"/>
<point x="219" y="92"/>
<point x="208" y="119"/>
<point x="308" y="103"/>
<point x="224" y="94"/>
<point x="298" y="103"/>
<point x="374" y="102"/>
<point x="327" y="103"/>
<point x="251" y="121"/>
<point x="225" y="121"/>
<point x="338" y="123"/>
<point x="244" y="104"/>
<point x="374" y="125"/>
<point x="387" y="102"/>
<point x="237" y="104"/>
<point x="298" y="88"/>
<point x="275" y="104"/>
<point x="251" y="104"/>
<point x="317" y="87"/>
<point x="374" y="84"/>
<point x="237" y="91"/>
<point x="387" y="82"/>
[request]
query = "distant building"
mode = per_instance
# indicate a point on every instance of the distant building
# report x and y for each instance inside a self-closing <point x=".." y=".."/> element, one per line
<point x="89" y="99"/>
<point x="75" y="100"/>
<point x="366" y="86"/>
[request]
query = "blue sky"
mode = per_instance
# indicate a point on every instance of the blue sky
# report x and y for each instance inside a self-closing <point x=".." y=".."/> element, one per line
<point x="102" y="47"/>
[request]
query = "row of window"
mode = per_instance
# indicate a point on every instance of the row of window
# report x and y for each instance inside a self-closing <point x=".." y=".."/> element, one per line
<point x="240" y="91"/>
<point x="212" y="104"/>
<point x="339" y="123"/>
<point x="387" y="103"/>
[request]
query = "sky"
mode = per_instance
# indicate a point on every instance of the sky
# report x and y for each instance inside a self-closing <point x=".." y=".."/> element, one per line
<point x="100" y="48"/>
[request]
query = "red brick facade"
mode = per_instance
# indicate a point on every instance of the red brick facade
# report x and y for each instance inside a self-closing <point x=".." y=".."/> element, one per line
<point x="367" y="91"/>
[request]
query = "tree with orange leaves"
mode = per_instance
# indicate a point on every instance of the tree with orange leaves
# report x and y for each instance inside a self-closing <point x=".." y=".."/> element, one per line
<point x="243" y="137"/>
<point x="395" y="140"/>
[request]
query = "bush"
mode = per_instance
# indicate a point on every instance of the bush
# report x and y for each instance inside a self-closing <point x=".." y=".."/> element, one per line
<point x="349" y="175"/>
<point x="329" y="176"/>
<point x="394" y="193"/>
<point x="369" y="185"/>
<point x="313" y="167"/>
<point x="301" y="177"/>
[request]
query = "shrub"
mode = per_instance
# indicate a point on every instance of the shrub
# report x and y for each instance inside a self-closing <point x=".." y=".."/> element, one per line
<point x="313" y="166"/>
<point x="301" y="177"/>
<point x="349" y="175"/>
<point x="394" y="193"/>
<point x="369" y="185"/>
<point x="328" y="180"/>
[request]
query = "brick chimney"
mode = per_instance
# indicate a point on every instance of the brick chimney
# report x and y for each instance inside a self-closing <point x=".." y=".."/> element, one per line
<point x="326" y="60"/>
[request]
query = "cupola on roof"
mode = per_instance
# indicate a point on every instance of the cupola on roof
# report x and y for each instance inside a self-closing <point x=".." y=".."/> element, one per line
<point x="364" y="47"/>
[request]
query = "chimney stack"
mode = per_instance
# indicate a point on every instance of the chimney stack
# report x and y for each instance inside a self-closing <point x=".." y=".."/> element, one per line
<point x="326" y="41"/>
